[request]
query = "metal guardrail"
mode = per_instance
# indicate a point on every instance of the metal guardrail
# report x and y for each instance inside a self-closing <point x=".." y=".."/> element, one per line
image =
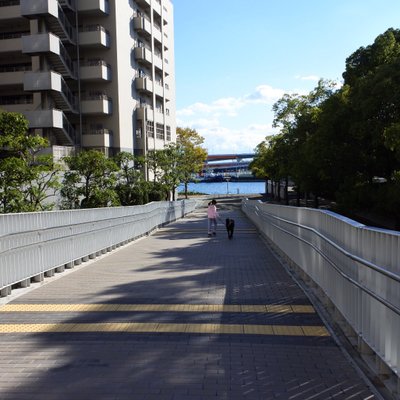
<point x="357" y="267"/>
<point x="32" y="244"/>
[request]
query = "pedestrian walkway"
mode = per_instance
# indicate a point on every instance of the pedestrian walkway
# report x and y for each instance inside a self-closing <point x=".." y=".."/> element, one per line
<point x="175" y="316"/>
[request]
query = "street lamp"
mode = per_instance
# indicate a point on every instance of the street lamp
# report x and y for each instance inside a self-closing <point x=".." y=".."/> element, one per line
<point x="227" y="178"/>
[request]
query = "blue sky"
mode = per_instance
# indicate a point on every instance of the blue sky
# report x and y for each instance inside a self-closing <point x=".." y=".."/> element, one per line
<point x="235" y="58"/>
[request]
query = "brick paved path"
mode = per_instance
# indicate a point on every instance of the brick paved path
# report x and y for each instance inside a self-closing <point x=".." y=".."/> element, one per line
<point x="174" y="316"/>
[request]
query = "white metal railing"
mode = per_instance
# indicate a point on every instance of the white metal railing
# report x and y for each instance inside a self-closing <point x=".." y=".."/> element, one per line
<point x="357" y="267"/>
<point x="34" y="243"/>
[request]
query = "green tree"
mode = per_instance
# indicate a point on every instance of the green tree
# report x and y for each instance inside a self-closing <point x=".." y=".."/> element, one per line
<point x="131" y="187"/>
<point x="297" y="116"/>
<point x="153" y="160"/>
<point x="27" y="178"/>
<point x="90" y="181"/>
<point x="170" y="164"/>
<point x="193" y="155"/>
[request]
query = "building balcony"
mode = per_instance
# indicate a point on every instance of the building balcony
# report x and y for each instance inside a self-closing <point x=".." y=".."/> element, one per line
<point x="10" y="9"/>
<point x="10" y="44"/>
<point x="157" y="7"/>
<point x="143" y="55"/>
<point x="98" y="138"/>
<point x="11" y="78"/>
<point x="94" y="36"/>
<point x="143" y="3"/>
<point x="16" y="103"/>
<point x="54" y="49"/>
<point x="142" y="25"/>
<point x="96" y="105"/>
<point x="157" y="34"/>
<point x="158" y="63"/>
<point x="58" y="152"/>
<point x="94" y="7"/>
<point x="57" y="22"/>
<point x="55" y="120"/>
<point x="159" y="90"/>
<point x="144" y="84"/>
<point x="53" y="82"/>
<point x="95" y="71"/>
<point x="145" y="113"/>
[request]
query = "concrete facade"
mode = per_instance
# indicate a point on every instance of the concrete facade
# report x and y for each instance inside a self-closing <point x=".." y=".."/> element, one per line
<point x="93" y="74"/>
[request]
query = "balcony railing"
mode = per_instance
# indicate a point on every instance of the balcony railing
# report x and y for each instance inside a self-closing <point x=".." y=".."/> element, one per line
<point x="95" y="7"/>
<point x="96" y="103"/>
<point x="103" y="131"/>
<point x="95" y="70"/>
<point x="13" y="35"/>
<point x="10" y="100"/>
<point x="90" y="35"/>
<point x="16" y="67"/>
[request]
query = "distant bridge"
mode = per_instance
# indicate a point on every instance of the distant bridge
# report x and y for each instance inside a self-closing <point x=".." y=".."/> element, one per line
<point x="223" y="157"/>
<point x="228" y="162"/>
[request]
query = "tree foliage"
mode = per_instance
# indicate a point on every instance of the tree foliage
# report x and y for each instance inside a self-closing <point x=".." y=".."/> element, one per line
<point x="339" y="143"/>
<point x="193" y="155"/>
<point x="90" y="181"/>
<point x="27" y="178"/>
<point x="131" y="185"/>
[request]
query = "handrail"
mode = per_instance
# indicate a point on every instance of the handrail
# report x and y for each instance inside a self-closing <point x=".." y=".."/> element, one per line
<point x="360" y="260"/>
<point x="67" y="92"/>
<point x="344" y="252"/>
<point x="67" y="59"/>
<point x="70" y="30"/>
<point x="16" y="67"/>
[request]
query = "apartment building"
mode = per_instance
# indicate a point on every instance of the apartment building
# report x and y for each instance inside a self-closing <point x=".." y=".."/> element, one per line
<point x="94" y="74"/>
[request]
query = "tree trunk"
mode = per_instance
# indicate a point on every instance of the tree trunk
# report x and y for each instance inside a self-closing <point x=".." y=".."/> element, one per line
<point x="279" y="191"/>
<point x="286" y="191"/>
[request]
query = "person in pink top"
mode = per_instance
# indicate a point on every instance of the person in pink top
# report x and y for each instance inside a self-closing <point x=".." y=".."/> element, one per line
<point x="212" y="215"/>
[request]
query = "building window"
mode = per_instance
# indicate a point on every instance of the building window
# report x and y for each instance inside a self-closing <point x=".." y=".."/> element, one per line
<point x="168" y="133"/>
<point x="150" y="128"/>
<point x="160" y="134"/>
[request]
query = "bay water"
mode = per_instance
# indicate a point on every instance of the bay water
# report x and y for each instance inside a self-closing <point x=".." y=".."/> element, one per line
<point x="252" y="187"/>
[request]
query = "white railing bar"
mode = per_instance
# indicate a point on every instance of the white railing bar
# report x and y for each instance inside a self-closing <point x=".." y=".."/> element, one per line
<point x="66" y="236"/>
<point x="360" y="286"/>
<point x="367" y="263"/>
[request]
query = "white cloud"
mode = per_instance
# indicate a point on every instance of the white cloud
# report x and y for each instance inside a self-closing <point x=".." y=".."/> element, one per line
<point x="220" y="139"/>
<point x="265" y="94"/>
<point x="230" y="135"/>
<point x="229" y="106"/>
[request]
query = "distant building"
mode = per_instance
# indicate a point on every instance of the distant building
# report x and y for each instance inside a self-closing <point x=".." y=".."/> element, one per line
<point x="90" y="73"/>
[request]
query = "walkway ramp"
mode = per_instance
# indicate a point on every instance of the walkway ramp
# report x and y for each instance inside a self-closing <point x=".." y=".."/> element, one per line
<point x="177" y="315"/>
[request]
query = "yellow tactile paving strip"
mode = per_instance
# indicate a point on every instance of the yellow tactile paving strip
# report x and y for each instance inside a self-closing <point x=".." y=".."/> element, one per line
<point x="206" y="308"/>
<point x="135" y="327"/>
<point x="154" y="327"/>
